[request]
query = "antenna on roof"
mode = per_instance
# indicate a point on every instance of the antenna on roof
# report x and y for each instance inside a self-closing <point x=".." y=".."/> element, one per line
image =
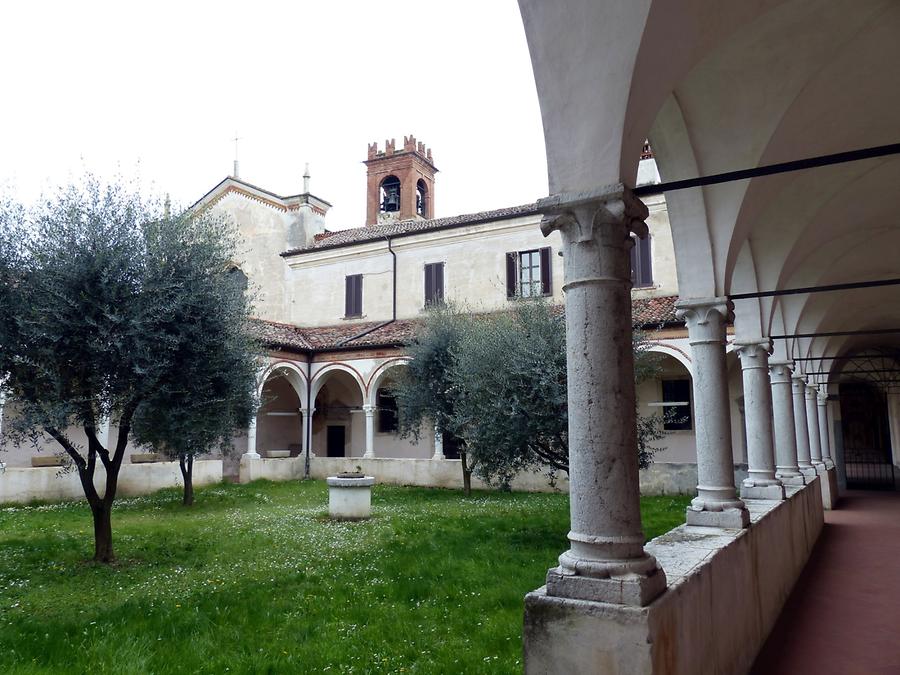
<point x="306" y="179"/>
<point x="236" y="172"/>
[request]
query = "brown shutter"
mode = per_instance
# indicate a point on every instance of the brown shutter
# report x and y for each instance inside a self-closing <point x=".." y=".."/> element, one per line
<point x="511" y="265"/>
<point x="546" y="272"/>
<point x="358" y="303"/>
<point x="348" y="296"/>
<point x="439" y="282"/>
<point x="646" y="278"/>
<point x="429" y="284"/>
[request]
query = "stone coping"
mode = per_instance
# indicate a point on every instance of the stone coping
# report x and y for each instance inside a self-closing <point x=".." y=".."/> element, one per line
<point x="364" y="481"/>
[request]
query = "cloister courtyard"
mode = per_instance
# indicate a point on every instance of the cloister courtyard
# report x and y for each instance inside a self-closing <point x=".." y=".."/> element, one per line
<point x="256" y="578"/>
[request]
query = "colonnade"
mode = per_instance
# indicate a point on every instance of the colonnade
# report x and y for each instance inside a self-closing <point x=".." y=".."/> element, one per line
<point x="786" y="417"/>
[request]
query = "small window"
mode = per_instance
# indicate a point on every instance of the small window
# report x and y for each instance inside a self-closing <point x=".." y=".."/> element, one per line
<point x="641" y="263"/>
<point x="677" y="405"/>
<point x="387" y="411"/>
<point x="434" y="284"/>
<point x="353" y="296"/>
<point x="528" y="274"/>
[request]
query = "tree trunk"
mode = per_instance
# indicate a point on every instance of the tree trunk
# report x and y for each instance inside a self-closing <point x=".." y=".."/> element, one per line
<point x="187" y="473"/>
<point x="467" y="474"/>
<point x="103" y="544"/>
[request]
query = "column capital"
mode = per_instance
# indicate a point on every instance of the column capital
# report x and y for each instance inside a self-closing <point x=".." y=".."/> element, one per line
<point x="576" y="214"/>
<point x="705" y="318"/>
<point x="798" y="383"/>
<point x="781" y="371"/>
<point x="812" y="391"/>
<point x="369" y="410"/>
<point x="823" y="396"/>
<point x="753" y="353"/>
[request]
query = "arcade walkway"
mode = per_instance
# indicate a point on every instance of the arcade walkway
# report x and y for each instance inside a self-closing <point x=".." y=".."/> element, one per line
<point x="843" y="616"/>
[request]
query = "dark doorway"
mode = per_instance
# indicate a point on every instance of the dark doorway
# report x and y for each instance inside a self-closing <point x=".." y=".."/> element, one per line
<point x="452" y="446"/>
<point x="336" y="440"/>
<point x="867" y="437"/>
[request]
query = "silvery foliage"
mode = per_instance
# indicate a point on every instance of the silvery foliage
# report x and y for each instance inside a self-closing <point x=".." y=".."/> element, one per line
<point x="113" y="309"/>
<point x="498" y="381"/>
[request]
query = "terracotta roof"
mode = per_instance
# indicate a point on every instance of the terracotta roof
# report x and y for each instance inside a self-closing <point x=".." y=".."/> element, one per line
<point x="647" y="312"/>
<point x="358" y="235"/>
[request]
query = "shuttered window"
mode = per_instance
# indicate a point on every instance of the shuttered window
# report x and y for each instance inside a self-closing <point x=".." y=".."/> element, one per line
<point x="641" y="263"/>
<point x="529" y="273"/>
<point x="353" y="295"/>
<point x="434" y="284"/>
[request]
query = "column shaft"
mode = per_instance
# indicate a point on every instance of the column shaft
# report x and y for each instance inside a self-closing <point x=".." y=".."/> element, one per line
<point x="801" y="428"/>
<point x="786" y="468"/>
<point x="251" y="440"/>
<point x="812" y="424"/>
<point x="369" y="410"/>
<point x="824" y="438"/>
<point x="438" y="444"/>
<point x="304" y="431"/>
<point x="716" y="503"/>
<point x="761" y="482"/>
<point x="606" y="560"/>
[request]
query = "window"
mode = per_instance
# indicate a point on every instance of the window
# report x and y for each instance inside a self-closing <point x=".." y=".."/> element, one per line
<point x="387" y="411"/>
<point x="677" y="405"/>
<point x="236" y="275"/>
<point x="353" y="296"/>
<point x="528" y="273"/>
<point x="641" y="265"/>
<point x="434" y="284"/>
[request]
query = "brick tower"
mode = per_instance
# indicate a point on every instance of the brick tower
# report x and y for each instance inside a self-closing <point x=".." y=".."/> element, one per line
<point x="400" y="182"/>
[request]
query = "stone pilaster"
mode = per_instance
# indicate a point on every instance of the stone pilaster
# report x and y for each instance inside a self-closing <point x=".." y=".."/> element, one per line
<point x="606" y="561"/>
<point x="369" y="411"/>
<point x="786" y="468"/>
<point x="824" y="438"/>
<point x="761" y="482"/>
<point x="716" y="503"/>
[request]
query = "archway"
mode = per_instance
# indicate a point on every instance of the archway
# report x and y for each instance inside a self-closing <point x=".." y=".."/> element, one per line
<point x="279" y="421"/>
<point x="338" y="423"/>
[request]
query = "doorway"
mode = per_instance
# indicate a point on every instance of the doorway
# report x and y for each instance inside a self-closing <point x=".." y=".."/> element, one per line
<point x="337" y="436"/>
<point x="867" y="437"/>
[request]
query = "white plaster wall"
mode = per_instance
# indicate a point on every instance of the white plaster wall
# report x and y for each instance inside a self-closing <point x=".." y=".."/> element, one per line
<point x="22" y="485"/>
<point x="662" y="251"/>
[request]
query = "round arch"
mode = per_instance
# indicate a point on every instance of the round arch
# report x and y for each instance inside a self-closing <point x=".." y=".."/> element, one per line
<point x="321" y="377"/>
<point x="379" y="375"/>
<point x="290" y="371"/>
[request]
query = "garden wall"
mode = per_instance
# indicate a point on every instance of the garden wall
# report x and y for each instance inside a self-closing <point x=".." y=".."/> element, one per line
<point x="26" y="484"/>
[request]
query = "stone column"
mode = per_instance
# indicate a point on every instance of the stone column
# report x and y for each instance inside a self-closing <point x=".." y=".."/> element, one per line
<point x="438" y="444"/>
<point x="251" y="441"/>
<point x="761" y="482"/>
<point x="606" y="561"/>
<point x="716" y="503"/>
<point x="801" y="428"/>
<point x="305" y="425"/>
<point x="369" y="410"/>
<point x="824" y="438"/>
<point x="812" y="425"/>
<point x="786" y="469"/>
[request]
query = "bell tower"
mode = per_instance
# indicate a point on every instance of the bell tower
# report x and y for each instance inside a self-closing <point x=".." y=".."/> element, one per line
<point x="400" y="183"/>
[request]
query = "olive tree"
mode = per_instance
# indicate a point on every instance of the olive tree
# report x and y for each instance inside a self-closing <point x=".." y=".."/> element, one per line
<point x="112" y="313"/>
<point x="502" y="384"/>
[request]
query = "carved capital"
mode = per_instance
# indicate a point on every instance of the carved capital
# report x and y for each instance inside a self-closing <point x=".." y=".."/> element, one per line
<point x="823" y="396"/>
<point x="369" y="410"/>
<point x="781" y="372"/>
<point x="798" y="383"/>
<point x="753" y="353"/>
<point x="578" y="215"/>
<point x="705" y="318"/>
<point x="812" y="391"/>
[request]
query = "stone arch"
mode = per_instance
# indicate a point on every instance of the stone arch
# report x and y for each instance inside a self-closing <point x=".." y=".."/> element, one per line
<point x="379" y="374"/>
<point x="321" y="376"/>
<point x="291" y="372"/>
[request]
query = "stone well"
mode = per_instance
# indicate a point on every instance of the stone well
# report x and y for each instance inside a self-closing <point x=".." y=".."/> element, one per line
<point x="350" y="497"/>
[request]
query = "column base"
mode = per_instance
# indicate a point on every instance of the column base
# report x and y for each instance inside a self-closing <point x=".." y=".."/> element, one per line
<point x="368" y="455"/>
<point x="820" y="468"/>
<point x="771" y="491"/>
<point x="829" y="463"/>
<point x="729" y="519"/>
<point x="809" y="471"/>
<point x="792" y="479"/>
<point x="251" y="455"/>
<point x="437" y="457"/>
<point x="633" y="589"/>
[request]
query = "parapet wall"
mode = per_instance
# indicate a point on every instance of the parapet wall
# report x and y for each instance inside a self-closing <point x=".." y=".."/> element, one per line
<point x="725" y="591"/>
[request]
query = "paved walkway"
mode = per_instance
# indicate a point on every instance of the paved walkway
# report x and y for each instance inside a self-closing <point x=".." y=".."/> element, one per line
<point x="843" y="616"/>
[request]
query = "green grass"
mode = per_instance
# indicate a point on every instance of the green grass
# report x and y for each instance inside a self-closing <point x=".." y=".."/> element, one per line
<point x="256" y="579"/>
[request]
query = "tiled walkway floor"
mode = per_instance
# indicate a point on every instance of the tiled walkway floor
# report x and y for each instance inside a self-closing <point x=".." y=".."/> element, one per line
<point x="843" y="616"/>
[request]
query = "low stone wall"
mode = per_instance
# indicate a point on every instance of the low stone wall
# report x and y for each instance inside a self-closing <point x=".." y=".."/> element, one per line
<point x="282" y="468"/>
<point x="725" y="591"/>
<point x="23" y="484"/>
<point x="661" y="478"/>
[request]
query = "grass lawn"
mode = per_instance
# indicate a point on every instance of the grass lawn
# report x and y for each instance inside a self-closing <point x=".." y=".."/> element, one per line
<point x="256" y="579"/>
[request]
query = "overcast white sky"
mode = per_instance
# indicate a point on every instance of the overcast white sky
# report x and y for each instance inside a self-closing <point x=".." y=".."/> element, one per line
<point x="159" y="89"/>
